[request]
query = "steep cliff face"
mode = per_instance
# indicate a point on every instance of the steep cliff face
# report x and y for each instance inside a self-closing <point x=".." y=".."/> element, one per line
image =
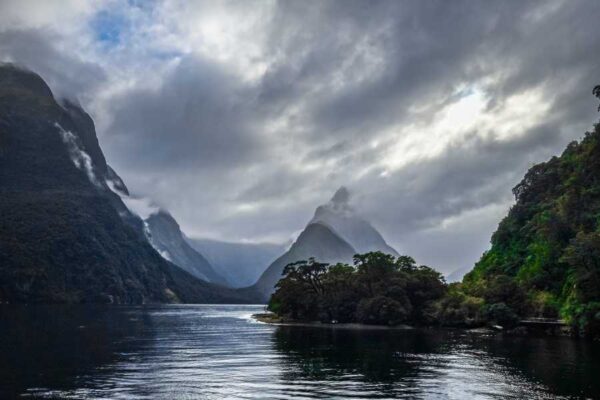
<point x="167" y="238"/>
<point x="64" y="235"/>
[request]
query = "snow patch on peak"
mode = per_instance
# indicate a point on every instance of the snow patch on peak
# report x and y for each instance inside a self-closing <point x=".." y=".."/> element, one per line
<point x="80" y="158"/>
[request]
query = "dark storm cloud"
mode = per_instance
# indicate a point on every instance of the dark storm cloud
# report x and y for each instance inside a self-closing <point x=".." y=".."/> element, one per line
<point x="199" y="117"/>
<point x="244" y="147"/>
<point x="426" y="49"/>
<point x="467" y="176"/>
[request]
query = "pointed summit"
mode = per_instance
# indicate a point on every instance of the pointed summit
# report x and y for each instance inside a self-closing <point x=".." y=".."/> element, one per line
<point x="340" y="216"/>
<point x="334" y="234"/>
<point x="341" y="196"/>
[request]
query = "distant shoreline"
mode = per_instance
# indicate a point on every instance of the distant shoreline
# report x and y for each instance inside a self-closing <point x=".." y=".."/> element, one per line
<point x="272" y="319"/>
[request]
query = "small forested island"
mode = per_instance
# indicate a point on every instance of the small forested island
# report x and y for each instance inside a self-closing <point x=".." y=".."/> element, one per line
<point x="543" y="265"/>
<point x="379" y="289"/>
<point x="383" y="290"/>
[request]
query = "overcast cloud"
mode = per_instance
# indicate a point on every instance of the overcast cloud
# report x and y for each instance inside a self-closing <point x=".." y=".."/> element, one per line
<point x="242" y="117"/>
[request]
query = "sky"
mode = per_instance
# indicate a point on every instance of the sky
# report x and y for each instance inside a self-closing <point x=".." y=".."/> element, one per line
<point x="241" y="117"/>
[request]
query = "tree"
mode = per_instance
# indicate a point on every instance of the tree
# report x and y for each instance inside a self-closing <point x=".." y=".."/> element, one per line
<point x="424" y="285"/>
<point x="309" y="272"/>
<point x="374" y="268"/>
<point x="583" y="255"/>
<point x="503" y="289"/>
<point x="340" y="300"/>
<point x="381" y="310"/>
<point x="501" y="314"/>
<point x="299" y="293"/>
<point x="596" y="93"/>
<point x="379" y="289"/>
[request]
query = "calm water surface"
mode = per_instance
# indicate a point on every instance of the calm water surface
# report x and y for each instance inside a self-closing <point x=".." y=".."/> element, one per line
<point x="213" y="352"/>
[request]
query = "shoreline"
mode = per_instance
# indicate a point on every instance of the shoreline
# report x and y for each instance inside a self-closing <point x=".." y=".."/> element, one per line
<point x="272" y="319"/>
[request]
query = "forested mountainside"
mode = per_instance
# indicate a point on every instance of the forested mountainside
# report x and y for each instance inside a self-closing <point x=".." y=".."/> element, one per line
<point x="545" y="255"/>
<point x="65" y="236"/>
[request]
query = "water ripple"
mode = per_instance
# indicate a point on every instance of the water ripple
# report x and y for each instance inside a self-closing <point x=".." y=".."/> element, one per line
<point x="215" y="352"/>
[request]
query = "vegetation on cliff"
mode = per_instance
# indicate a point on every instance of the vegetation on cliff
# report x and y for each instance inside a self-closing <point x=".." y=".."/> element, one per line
<point x="545" y="255"/>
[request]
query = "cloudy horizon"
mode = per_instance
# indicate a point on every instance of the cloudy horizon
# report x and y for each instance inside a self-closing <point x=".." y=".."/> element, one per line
<point x="241" y="117"/>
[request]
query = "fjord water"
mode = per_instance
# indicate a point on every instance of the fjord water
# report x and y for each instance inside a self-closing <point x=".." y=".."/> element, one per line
<point x="218" y="351"/>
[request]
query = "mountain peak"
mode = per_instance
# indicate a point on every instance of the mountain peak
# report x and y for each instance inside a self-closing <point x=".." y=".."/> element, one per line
<point x="15" y="77"/>
<point x="316" y="240"/>
<point x="341" y="217"/>
<point x="341" y="196"/>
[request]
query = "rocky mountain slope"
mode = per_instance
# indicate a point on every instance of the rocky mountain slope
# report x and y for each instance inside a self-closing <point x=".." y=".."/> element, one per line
<point x="166" y="237"/>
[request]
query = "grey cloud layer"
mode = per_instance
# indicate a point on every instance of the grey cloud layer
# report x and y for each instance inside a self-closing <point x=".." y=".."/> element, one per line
<point x="338" y="93"/>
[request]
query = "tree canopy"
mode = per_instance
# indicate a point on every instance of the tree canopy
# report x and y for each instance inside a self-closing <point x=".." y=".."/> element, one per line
<point x="377" y="289"/>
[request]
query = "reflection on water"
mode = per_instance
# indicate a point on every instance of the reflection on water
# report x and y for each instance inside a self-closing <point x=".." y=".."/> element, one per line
<point x="216" y="352"/>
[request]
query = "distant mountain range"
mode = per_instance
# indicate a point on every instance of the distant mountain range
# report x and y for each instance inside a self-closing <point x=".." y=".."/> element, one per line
<point x="166" y="237"/>
<point x="457" y="275"/>
<point x="241" y="264"/>
<point x="335" y="234"/>
<point x="66" y="234"/>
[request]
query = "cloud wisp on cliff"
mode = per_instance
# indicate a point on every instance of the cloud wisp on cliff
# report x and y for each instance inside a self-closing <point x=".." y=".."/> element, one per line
<point x="241" y="117"/>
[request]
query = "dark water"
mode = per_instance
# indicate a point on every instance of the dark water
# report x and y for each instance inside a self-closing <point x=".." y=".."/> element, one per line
<point x="196" y="352"/>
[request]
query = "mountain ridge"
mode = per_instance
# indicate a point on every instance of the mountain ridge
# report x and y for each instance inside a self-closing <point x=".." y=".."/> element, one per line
<point x="166" y="237"/>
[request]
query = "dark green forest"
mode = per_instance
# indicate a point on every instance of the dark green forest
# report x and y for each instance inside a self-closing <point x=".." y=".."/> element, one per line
<point x="544" y="261"/>
<point x="545" y="255"/>
<point x="378" y="289"/>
